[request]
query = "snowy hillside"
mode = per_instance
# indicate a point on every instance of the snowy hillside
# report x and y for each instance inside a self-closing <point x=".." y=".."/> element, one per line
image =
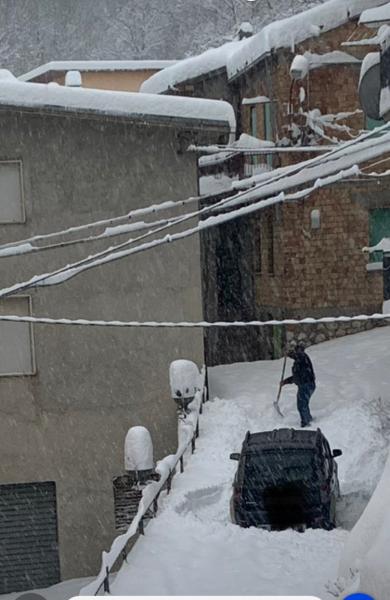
<point x="37" y="31"/>
<point x="192" y="547"/>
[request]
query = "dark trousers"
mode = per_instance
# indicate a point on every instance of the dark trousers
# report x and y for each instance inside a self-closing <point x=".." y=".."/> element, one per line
<point x="305" y="392"/>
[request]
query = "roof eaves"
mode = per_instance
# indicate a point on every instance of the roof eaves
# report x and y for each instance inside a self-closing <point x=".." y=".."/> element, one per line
<point x="197" y="124"/>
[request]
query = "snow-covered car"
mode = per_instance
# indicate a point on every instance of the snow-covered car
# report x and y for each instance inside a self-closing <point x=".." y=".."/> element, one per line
<point x="285" y="478"/>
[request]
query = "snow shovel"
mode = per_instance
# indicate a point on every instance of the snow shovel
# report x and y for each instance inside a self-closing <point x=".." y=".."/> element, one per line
<point x="276" y="403"/>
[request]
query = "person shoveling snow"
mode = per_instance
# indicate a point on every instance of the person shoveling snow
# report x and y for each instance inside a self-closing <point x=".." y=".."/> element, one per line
<point x="303" y="376"/>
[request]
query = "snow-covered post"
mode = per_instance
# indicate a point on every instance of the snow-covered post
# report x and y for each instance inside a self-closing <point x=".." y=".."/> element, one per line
<point x="73" y="79"/>
<point x="184" y="380"/>
<point x="139" y="453"/>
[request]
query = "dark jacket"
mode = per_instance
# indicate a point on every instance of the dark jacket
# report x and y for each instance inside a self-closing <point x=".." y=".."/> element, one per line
<point x="302" y="370"/>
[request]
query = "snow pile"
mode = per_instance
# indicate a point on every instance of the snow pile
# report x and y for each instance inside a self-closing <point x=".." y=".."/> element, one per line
<point x="6" y="75"/>
<point x="190" y="68"/>
<point x="73" y="79"/>
<point x="350" y="373"/>
<point x="255" y="100"/>
<point x="97" y="65"/>
<point x="382" y="246"/>
<point x="138" y="450"/>
<point x="246" y="27"/>
<point x="215" y="184"/>
<point x="183" y="378"/>
<point x="299" y="67"/>
<point x="366" y="553"/>
<point x="249" y="142"/>
<point x="293" y="30"/>
<point x="373" y="17"/>
<point x="38" y="95"/>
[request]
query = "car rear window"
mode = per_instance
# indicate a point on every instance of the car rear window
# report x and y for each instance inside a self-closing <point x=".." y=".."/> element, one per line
<point x="280" y="465"/>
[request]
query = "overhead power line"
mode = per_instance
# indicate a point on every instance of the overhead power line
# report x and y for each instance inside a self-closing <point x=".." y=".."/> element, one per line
<point x="269" y="178"/>
<point x="70" y="271"/>
<point x="192" y="324"/>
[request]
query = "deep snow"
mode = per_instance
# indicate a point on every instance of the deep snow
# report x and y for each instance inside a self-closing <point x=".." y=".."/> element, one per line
<point x="193" y="548"/>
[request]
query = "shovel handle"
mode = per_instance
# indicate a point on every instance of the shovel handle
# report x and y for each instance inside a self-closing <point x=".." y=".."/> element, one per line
<point x="281" y="380"/>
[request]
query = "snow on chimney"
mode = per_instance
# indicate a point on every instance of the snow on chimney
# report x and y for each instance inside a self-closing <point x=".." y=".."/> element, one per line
<point x="245" y="31"/>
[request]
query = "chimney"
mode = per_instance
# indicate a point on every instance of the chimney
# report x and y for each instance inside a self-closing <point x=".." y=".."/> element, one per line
<point x="245" y="31"/>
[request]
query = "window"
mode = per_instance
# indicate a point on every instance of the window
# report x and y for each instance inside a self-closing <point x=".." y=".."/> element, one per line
<point x="270" y="241"/>
<point x="11" y="195"/>
<point x="379" y="219"/>
<point x="258" y="260"/>
<point x="16" y="342"/>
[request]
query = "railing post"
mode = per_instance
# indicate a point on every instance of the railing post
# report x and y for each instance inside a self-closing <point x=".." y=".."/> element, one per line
<point x="193" y="444"/>
<point x="106" y="583"/>
<point x="169" y="482"/>
<point x="181" y="464"/>
<point x="155" y="506"/>
<point x="197" y="429"/>
<point x="141" y="529"/>
<point x="206" y="386"/>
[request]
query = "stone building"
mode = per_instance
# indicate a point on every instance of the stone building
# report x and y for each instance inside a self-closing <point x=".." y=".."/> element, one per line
<point x="296" y="85"/>
<point x="69" y="394"/>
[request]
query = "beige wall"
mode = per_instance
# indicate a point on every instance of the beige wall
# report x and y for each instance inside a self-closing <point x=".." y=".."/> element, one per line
<point x="124" y="81"/>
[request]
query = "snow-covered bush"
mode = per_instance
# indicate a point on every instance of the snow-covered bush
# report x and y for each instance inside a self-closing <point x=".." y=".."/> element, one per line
<point x="138" y="450"/>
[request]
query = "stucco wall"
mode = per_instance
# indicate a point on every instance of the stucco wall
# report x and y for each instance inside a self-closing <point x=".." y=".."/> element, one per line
<point x="67" y="423"/>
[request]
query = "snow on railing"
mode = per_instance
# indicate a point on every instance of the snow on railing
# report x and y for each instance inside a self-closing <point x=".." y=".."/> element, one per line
<point x="188" y="431"/>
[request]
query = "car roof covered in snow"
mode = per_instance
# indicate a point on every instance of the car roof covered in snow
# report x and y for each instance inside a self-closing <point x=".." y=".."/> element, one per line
<point x="97" y="65"/>
<point x="145" y="108"/>
<point x="282" y="438"/>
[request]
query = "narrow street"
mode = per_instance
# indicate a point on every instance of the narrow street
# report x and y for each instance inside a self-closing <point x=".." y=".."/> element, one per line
<point x="193" y="544"/>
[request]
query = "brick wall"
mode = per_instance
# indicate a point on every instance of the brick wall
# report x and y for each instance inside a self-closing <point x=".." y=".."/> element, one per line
<point x="332" y="89"/>
<point x="321" y="271"/>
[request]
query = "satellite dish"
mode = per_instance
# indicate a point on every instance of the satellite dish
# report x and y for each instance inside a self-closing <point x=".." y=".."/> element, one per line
<point x="370" y="85"/>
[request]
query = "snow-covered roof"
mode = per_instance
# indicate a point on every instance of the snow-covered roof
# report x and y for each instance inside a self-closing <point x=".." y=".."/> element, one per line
<point x="190" y="68"/>
<point x="236" y="56"/>
<point x="97" y="65"/>
<point x="373" y="17"/>
<point x="121" y="104"/>
<point x="293" y="30"/>
<point x="256" y="100"/>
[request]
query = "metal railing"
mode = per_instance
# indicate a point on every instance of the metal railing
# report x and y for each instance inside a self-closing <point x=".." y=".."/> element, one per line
<point x="188" y="431"/>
